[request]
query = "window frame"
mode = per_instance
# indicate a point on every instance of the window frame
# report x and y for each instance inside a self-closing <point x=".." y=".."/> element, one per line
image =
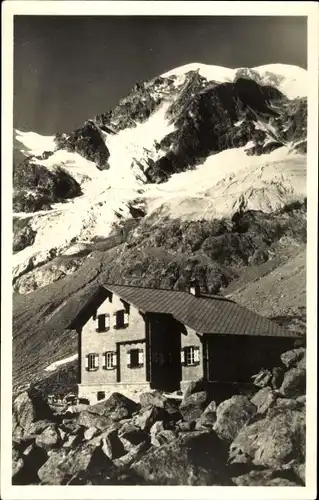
<point x="124" y="319"/>
<point x="189" y="357"/>
<point x="105" y="328"/>
<point x="92" y="362"/>
<point x="140" y="355"/>
<point x="110" y="355"/>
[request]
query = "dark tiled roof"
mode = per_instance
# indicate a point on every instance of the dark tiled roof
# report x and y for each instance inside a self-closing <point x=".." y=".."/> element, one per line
<point x="205" y="314"/>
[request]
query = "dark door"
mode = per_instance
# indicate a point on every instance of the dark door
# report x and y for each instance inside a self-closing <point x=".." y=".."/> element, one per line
<point x="165" y="347"/>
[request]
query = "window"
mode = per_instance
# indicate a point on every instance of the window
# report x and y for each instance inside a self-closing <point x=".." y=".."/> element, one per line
<point x="135" y="358"/>
<point x="190" y="356"/>
<point x="92" y="362"/>
<point x="100" y="395"/>
<point x="110" y="360"/>
<point x="103" y="322"/>
<point x="121" y="319"/>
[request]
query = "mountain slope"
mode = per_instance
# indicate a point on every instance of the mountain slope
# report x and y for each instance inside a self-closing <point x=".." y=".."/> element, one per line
<point x="200" y="172"/>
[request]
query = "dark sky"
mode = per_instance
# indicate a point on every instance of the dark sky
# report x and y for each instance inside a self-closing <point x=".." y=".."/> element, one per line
<point x="68" y="68"/>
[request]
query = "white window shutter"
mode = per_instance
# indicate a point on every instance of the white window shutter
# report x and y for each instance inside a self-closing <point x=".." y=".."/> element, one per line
<point x="87" y="361"/>
<point x="114" y="320"/>
<point x="128" y="358"/>
<point x="196" y="354"/>
<point x="96" y="360"/>
<point x="114" y="359"/>
<point x="107" y="321"/>
<point x="141" y="357"/>
<point x="126" y="316"/>
<point x="182" y="356"/>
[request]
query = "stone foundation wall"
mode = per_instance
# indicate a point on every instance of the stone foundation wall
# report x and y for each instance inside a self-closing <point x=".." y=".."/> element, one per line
<point x="131" y="391"/>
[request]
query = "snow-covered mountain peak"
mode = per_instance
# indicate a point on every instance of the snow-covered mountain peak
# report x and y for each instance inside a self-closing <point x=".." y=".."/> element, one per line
<point x="179" y="146"/>
<point x="291" y="80"/>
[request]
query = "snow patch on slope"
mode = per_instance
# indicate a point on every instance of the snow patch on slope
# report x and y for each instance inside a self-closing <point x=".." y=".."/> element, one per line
<point x="35" y="143"/>
<point x="229" y="180"/>
<point x="132" y="147"/>
<point x="64" y="361"/>
<point x="106" y="194"/>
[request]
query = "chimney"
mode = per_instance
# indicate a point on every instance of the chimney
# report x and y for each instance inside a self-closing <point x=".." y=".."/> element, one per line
<point x="194" y="288"/>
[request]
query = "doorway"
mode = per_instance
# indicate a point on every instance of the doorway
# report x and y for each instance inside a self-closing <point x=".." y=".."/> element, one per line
<point x="165" y="354"/>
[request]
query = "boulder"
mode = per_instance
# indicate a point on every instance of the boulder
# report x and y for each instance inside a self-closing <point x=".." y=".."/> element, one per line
<point x="155" y="429"/>
<point x="17" y="466"/>
<point x="110" y="443"/>
<point x="277" y="377"/>
<point x="116" y="407"/>
<point x="232" y="415"/>
<point x="283" y="403"/>
<point x="293" y="357"/>
<point x="194" y="386"/>
<point x="186" y="426"/>
<point x="294" y="383"/>
<point x="111" y="430"/>
<point x="90" y="433"/>
<point x="30" y="462"/>
<point x="62" y="434"/>
<point x="49" y="438"/>
<point x="131" y="435"/>
<point x="300" y="471"/>
<point x="192" y="459"/>
<point x="72" y="441"/>
<point x="38" y="427"/>
<point x="193" y="405"/>
<point x="146" y="419"/>
<point x="266" y="477"/>
<point x="160" y="435"/>
<point x="62" y="465"/>
<point x="152" y="398"/>
<point x="70" y="425"/>
<point x="29" y="407"/>
<point x="274" y="440"/>
<point x="88" y="419"/>
<point x="132" y="456"/>
<point x="262" y="379"/>
<point x="263" y="399"/>
<point x="208" y="417"/>
<point x="164" y="437"/>
<point x="301" y="400"/>
<point x="302" y="364"/>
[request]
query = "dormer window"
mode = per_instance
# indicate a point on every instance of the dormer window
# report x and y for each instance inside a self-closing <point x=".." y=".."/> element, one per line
<point x="103" y="323"/>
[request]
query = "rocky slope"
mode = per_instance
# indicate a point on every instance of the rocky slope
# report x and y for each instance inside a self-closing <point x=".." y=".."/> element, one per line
<point x="209" y="437"/>
<point x="200" y="172"/>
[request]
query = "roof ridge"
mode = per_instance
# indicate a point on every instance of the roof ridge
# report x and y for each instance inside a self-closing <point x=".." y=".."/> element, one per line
<point x="202" y="295"/>
<point x="145" y="287"/>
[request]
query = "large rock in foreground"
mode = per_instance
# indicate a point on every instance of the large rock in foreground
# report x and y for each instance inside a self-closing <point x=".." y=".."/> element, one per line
<point x="63" y="465"/>
<point x="27" y="408"/>
<point x="232" y="415"/>
<point x="195" y="458"/>
<point x="263" y="478"/>
<point x="116" y="407"/>
<point x="294" y="383"/>
<point x="193" y="405"/>
<point x="273" y="441"/>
